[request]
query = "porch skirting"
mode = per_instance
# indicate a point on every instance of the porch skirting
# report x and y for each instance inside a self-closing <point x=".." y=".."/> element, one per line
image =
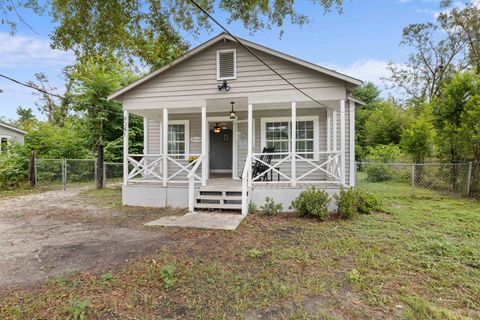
<point x="158" y="196"/>
<point x="155" y="196"/>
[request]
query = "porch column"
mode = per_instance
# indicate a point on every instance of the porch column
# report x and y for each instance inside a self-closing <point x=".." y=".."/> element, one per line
<point x="342" y="138"/>
<point x="125" y="147"/>
<point x="250" y="134"/>
<point x="352" y="143"/>
<point x="204" y="146"/>
<point x="334" y="130"/>
<point x="145" y="135"/>
<point x="329" y="129"/>
<point x="294" y="144"/>
<point x="165" y="147"/>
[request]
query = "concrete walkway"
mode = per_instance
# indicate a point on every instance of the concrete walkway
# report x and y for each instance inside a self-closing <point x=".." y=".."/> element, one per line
<point x="201" y="220"/>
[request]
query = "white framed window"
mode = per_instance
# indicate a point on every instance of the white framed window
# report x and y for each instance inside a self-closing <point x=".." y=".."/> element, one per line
<point x="276" y="132"/>
<point x="178" y="138"/>
<point x="226" y="64"/>
<point x="4" y="143"/>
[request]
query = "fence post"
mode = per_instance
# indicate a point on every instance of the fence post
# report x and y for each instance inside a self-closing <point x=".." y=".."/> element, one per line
<point x="64" y="174"/>
<point x="104" y="174"/>
<point x="469" y="178"/>
<point x="99" y="174"/>
<point x="413" y="180"/>
<point x="32" y="172"/>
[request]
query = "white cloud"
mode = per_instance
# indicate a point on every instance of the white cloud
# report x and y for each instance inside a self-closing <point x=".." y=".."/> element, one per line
<point x="366" y="70"/>
<point x="21" y="51"/>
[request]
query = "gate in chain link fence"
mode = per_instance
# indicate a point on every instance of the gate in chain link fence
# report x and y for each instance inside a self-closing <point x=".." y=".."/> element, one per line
<point x="63" y="173"/>
<point x="421" y="179"/>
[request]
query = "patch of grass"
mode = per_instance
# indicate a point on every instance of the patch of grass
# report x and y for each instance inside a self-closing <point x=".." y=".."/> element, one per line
<point x="419" y="261"/>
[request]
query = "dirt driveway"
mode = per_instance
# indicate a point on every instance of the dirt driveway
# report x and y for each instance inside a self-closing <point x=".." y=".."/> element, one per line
<point x="55" y="233"/>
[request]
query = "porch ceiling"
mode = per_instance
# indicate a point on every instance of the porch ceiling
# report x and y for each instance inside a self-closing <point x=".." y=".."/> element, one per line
<point x="241" y="104"/>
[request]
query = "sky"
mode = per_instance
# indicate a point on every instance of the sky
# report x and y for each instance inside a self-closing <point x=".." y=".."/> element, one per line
<point x="359" y="42"/>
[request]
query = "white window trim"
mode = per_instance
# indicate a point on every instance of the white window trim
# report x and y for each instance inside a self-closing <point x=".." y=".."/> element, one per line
<point x="187" y="134"/>
<point x="316" y="132"/>
<point x="234" y="64"/>
<point x="8" y="141"/>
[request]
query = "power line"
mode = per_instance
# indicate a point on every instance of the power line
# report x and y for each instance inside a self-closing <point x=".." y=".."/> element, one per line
<point x="54" y="94"/>
<point x="255" y="55"/>
<point x="32" y="87"/>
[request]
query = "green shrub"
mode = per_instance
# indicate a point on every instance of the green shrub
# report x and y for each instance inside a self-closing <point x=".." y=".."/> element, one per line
<point x="167" y="274"/>
<point x="77" y="309"/>
<point x="252" y="207"/>
<point x="384" y="153"/>
<point x="13" y="167"/>
<point x="366" y="202"/>
<point x="270" y="207"/>
<point x="378" y="172"/>
<point x="312" y="202"/>
<point x="347" y="203"/>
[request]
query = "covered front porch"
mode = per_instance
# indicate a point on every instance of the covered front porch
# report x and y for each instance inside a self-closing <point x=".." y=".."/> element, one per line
<point x="308" y="142"/>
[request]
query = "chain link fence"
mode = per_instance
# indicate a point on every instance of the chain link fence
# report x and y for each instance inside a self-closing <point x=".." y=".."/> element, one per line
<point x="76" y="173"/>
<point x="425" y="179"/>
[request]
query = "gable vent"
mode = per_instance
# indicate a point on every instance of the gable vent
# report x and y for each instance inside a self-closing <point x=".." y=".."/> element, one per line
<point x="226" y="64"/>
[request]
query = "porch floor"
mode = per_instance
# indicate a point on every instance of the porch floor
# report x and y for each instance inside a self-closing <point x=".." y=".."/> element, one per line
<point x="200" y="220"/>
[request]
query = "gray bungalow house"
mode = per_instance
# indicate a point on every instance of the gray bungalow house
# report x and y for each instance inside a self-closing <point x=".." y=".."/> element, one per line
<point x="222" y="130"/>
<point x="9" y="134"/>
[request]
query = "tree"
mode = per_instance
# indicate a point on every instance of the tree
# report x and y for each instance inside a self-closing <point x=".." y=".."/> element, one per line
<point x="55" y="110"/>
<point x="93" y="82"/>
<point x="368" y="93"/>
<point x="385" y="124"/>
<point x="449" y="115"/>
<point x="465" y="22"/>
<point x="27" y="119"/>
<point x="431" y="62"/>
<point x="149" y="29"/>
<point x="418" y="137"/>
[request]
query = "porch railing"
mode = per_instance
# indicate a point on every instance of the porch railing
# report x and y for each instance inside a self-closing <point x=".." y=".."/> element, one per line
<point x="151" y="168"/>
<point x="191" y="183"/>
<point x="323" y="166"/>
<point x="246" y="185"/>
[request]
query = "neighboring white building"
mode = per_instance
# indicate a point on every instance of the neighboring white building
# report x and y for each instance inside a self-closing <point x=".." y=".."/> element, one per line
<point x="9" y="134"/>
<point x="186" y="109"/>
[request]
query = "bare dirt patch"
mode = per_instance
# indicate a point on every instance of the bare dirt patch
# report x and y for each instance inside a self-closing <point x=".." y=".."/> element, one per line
<point x="55" y="233"/>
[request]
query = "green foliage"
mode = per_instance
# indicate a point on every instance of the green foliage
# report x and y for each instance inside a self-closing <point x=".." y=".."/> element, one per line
<point x="167" y="275"/>
<point x="312" y="202"/>
<point x="252" y="207"/>
<point x="77" y="309"/>
<point x="368" y="92"/>
<point x="347" y="203"/>
<point x="13" y="167"/>
<point x="26" y="119"/>
<point x="271" y="208"/>
<point x="383" y="153"/>
<point x="69" y="141"/>
<point x="366" y="202"/>
<point x="418" y="137"/>
<point x="107" y="277"/>
<point x="353" y="276"/>
<point x="255" y="253"/>
<point x="385" y="124"/>
<point x="378" y="172"/>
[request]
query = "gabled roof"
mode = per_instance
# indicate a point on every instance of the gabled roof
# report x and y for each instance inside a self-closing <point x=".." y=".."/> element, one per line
<point x="12" y="128"/>
<point x="247" y="43"/>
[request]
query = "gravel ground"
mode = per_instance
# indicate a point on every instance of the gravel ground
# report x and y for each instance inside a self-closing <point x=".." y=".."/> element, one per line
<point x="52" y="234"/>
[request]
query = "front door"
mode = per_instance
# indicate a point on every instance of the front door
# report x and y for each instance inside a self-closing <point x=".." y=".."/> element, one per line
<point x="221" y="147"/>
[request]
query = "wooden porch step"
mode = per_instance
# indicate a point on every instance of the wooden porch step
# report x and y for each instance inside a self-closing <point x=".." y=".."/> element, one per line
<point x="221" y="206"/>
<point x="219" y="197"/>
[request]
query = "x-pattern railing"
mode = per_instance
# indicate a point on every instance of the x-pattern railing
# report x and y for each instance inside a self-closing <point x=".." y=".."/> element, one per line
<point x="331" y="166"/>
<point x="147" y="166"/>
<point x="174" y="158"/>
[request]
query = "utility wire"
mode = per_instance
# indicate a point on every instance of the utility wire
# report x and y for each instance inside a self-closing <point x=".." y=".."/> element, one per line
<point x="54" y="94"/>
<point x="255" y="55"/>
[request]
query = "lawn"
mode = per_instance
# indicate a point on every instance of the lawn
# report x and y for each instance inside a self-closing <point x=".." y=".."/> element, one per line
<point x="418" y="260"/>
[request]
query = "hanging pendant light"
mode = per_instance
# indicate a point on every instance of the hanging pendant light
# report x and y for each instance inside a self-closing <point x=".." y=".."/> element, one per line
<point x="217" y="129"/>
<point x="233" y="114"/>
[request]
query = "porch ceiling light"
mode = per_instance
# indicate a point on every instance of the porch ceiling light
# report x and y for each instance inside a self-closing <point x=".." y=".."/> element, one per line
<point x="217" y="129"/>
<point x="233" y="114"/>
